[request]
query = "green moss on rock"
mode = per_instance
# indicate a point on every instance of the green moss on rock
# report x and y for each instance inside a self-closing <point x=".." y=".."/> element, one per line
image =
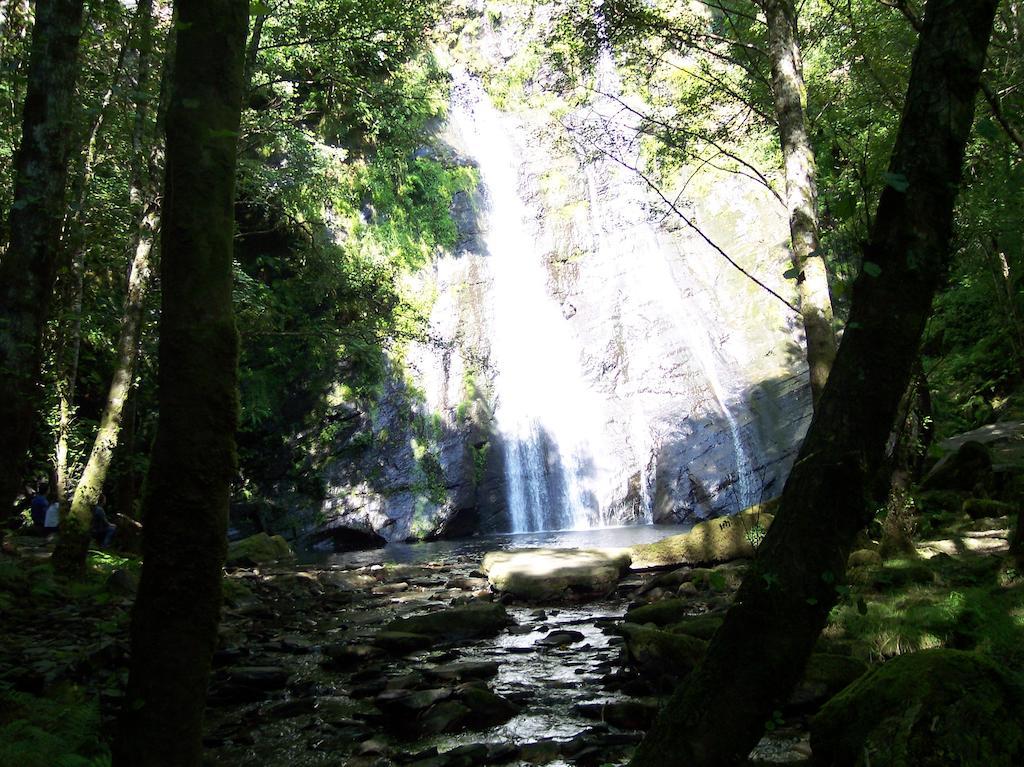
<point x="980" y="508"/>
<point x="926" y="709"/>
<point x="700" y="626"/>
<point x="453" y="625"/>
<point x="716" y="540"/>
<point x="259" y="549"/>
<point x="660" y="653"/>
<point x="660" y="613"/>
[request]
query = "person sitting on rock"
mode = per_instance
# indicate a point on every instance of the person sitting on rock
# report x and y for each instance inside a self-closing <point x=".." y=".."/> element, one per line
<point x="38" y="506"/>
<point x="51" y="521"/>
<point x="102" y="530"/>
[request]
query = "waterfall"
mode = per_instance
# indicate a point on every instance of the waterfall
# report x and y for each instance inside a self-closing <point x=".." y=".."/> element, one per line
<point x="549" y="420"/>
<point x="627" y="227"/>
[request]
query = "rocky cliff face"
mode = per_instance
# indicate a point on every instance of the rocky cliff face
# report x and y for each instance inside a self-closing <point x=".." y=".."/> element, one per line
<point x="694" y="375"/>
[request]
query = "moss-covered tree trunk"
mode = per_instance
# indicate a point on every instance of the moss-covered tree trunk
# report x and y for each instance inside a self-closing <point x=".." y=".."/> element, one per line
<point x="718" y="714"/>
<point x="28" y="268"/>
<point x="801" y="189"/>
<point x="174" y="622"/>
<point x="147" y="161"/>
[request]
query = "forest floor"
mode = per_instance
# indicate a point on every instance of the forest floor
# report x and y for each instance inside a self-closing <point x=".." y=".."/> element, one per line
<point x="312" y="671"/>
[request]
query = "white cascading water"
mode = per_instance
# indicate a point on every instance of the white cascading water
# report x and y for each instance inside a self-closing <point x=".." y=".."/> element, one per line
<point x="614" y="129"/>
<point x="549" y="420"/>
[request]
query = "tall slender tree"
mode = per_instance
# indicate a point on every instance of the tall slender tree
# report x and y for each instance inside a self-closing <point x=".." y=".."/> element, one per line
<point x="71" y="281"/>
<point x="801" y="189"/>
<point x="174" y="623"/>
<point x="28" y="267"/>
<point x="717" y="715"/>
<point x="146" y="168"/>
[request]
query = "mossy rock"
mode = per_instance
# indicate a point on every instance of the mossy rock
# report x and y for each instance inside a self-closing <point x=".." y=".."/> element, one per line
<point x="236" y="592"/>
<point x="982" y="508"/>
<point x="939" y="501"/>
<point x="716" y="540"/>
<point x="898" y="573"/>
<point x="660" y="653"/>
<point x="964" y="470"/>
<point x="259" y="549"/>
<point x="700" y="626"/>
<point x="864" y="558"/>
<point x="660" y="613"/>
<point x="455" y="624"/>
<point x="824" y="676"/>
<point x="927" y="709"/>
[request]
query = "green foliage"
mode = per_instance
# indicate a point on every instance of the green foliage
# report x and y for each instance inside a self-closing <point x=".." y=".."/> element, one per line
<point x="343" y="200"/>
<point x="961" y="609"/>
<point x="58" y="731"/>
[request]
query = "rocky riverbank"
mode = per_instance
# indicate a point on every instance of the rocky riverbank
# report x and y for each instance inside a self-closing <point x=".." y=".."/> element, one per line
<point x="431" y="665"/>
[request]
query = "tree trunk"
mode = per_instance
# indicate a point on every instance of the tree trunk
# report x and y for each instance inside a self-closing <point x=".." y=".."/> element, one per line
<point x="69" y="556"/>
<point x="174" y="622"/>
<point x="801" y="190"/>
<point x="718" y="714"/>
<point x="73" y="276"/>
<point x="904" y="457"/>
<point x="28" y="268"/>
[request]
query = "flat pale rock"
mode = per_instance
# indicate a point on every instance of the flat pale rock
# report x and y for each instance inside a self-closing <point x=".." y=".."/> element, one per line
<point x="536" y="574"/>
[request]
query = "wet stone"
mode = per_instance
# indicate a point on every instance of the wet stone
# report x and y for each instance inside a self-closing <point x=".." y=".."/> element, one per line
<point x="461" y="671"/>
<point x="560" y="638"/>
<point x="345" y="657"/>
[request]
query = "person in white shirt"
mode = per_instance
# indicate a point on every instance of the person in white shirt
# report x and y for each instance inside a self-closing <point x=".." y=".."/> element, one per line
<point x="52" y="520"/>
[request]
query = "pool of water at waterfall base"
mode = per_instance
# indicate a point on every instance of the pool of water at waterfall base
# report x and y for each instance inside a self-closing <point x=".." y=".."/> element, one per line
<point x="446" y="551"/>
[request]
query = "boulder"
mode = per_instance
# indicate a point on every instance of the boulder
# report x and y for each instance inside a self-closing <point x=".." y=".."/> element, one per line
<point x="983" y="508"/>
<point x="259" y="549"/>
<point x="545" y="574"/>
<point x="926" y="709"/>
<point x="660" y="613"/>
<point x="455" y="624"/>
<point x="864" y="558"/>
<point x="700" y="626"/>
<point x="402" y="642"/>
<point x="463" y="670"/>
<point x="962" y="470"/>
<point x="487" y="709"/>
<point x="348" y="657"/>
<point x="560" y="638"/>
<point x="824" y="676"/>
<point x="715" y="540"/>
<point x="661" y="653"/>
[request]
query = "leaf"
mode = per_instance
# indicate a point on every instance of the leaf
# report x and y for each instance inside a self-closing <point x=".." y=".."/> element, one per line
<point x="896" y="180"/>
<point x="871" y="269"/>
<point x="988" y="129"/>
<point x="862" y="606"/>
<point x="791" y="274"/>
<point x="259" y="9"/>
<point x="845" y="207"/>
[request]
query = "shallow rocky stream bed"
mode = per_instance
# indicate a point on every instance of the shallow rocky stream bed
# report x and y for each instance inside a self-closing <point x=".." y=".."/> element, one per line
<point x="309" y="673"/>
